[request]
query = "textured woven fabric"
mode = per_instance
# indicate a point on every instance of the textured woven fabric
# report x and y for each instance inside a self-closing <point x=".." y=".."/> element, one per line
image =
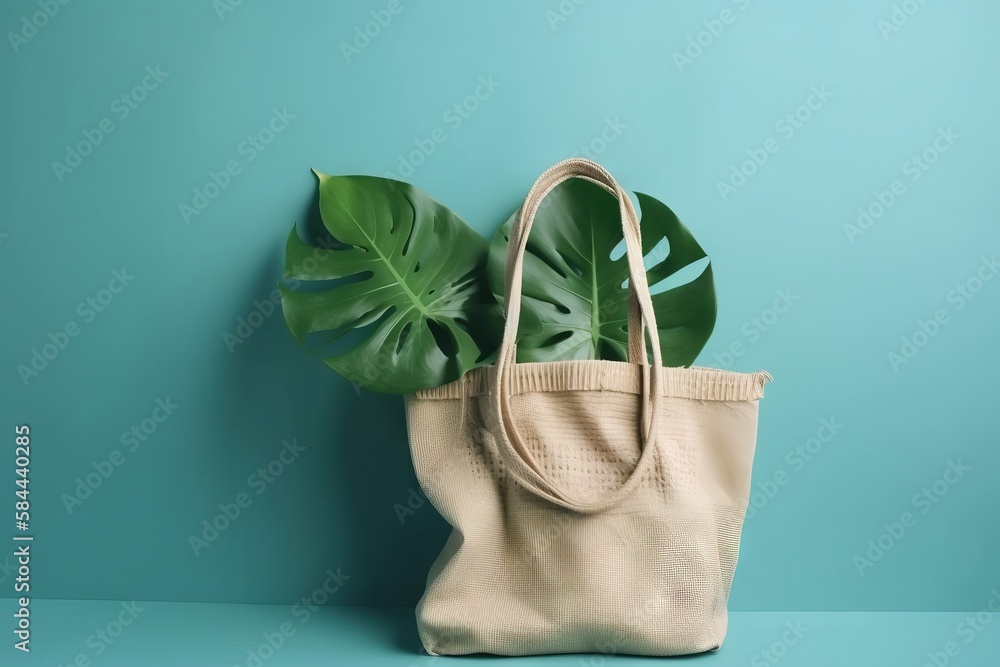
<point x="596" y="505"/>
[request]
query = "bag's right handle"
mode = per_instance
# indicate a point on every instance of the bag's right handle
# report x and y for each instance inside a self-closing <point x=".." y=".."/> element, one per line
<point x="642" y="320"/>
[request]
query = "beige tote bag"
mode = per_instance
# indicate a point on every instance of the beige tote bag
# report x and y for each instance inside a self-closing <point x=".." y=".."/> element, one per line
<point x="596" y="505"/>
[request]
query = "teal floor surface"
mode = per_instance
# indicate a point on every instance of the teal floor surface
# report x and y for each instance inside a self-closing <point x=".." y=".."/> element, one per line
<point x="151" y="634"/>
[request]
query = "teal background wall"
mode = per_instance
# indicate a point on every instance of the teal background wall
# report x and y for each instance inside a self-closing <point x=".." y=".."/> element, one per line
<point x="601" y="75"/>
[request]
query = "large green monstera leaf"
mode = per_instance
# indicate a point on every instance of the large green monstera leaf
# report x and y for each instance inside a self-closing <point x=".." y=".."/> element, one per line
<point x="405" y="271"/>
<point x="575" y="296"/>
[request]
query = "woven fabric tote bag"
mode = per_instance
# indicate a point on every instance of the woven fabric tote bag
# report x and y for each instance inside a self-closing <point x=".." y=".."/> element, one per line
<point x="596" y="505"/>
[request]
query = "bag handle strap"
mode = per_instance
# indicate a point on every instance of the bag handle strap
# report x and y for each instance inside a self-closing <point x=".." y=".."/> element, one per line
<point x="518" y="239"/>
<point x="642" y="321"/>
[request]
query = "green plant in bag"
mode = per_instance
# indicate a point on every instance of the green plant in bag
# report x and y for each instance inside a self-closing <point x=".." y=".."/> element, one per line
<point x="413" y="281"/>
<point x="575" y="296"/>
<point x="404" y="270"/>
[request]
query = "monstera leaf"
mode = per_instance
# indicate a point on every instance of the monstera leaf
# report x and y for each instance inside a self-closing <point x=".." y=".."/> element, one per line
<point x="405" y="271"/>
<point x="575" y="297"/>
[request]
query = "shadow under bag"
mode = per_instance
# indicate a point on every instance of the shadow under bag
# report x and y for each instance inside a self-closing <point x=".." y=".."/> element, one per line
<point x="596" y="505"/>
